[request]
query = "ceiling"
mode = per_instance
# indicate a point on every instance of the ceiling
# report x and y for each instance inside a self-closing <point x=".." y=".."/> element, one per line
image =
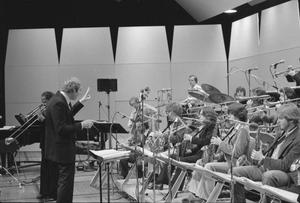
<point x="86" y="13"/>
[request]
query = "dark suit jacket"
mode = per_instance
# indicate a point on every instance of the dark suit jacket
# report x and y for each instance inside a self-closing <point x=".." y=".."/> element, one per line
<point x="295" y="78"/>
<point x="289" y="151"/>
<point x="61" y="130"/>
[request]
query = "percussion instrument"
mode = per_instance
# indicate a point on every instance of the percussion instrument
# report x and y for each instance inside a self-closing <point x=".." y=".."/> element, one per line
<point x="209" y="89"/>
<point x="196" y="94"/>
<point x="220" y="98"/>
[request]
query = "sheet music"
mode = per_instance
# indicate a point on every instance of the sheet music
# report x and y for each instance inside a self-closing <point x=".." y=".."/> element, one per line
<point x="110" y="153"/>
<point x="7" y="127"/>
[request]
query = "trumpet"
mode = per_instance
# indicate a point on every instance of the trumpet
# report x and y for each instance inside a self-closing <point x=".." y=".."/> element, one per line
<point x="283" y="102"/>
<point x="286" y="71"/>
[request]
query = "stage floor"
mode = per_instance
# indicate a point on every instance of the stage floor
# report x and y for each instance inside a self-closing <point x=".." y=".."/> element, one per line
<point x="83" y="192"/>
<point x="11" y="192"/>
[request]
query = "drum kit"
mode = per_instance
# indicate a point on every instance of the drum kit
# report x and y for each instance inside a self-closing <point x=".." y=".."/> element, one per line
<point x="215" y="95"/>
<point x="215" y="99"/>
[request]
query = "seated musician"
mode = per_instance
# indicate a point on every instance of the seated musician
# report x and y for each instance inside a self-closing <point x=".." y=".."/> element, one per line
<point x="239" y="92"/>
<point x="236" y="146"/>
<point x="274" y="167"/>
<point x="293" y="76"/>
<point x="287" y="93"/>
<point x="191" y="141"/>
<point x="258" y="101"/>
<point x="138" y="132"/>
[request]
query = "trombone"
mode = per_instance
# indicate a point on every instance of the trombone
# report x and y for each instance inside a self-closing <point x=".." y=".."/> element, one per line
<point x="285" y="71"/>
<point x="31" y="118"/>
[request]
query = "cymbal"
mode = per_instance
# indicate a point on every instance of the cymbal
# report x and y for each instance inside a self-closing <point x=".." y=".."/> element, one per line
<point x="197" y="94"/>
<point x="220" y="98"/>
<point x="209" y="89"/>
<point x="227" y="102"/>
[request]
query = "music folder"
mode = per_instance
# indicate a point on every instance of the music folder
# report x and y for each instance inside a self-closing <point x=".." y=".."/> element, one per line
<point x="105" y="127"/>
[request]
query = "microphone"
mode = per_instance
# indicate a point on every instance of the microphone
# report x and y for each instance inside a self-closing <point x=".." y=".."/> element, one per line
<point x="251" y="69"/>
<point x="146" y="89"/>
<point x="279" y="62"/>
<point x="123" y="115"/>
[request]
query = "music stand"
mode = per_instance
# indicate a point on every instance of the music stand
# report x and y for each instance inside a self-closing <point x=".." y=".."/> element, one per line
<point x="107" y="127"/>
<point x="107" y="85"/>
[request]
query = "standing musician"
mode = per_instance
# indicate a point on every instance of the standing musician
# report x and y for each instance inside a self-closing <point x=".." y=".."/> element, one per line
<point x="274" y="167"/>
<point x="47" y="186"/>
<point x="61" y="131"/>
<point x="236" y="146"/>
<point x="140" y="127"/>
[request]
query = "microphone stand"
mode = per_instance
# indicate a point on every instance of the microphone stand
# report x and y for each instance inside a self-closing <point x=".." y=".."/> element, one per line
<point x="143" y="142"/>
<point x="273" y="77"/>
<point x="248" y="72"/>
<point x="99" y="107"/>
<point x="169" y="161"/>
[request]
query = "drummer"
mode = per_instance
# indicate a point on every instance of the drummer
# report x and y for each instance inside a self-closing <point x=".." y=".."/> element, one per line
<point x="194" y="86"/>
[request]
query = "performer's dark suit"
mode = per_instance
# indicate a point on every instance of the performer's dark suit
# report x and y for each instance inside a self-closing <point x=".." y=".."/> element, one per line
<point x="200" y="139"/>
<point x="48" y="171"/>
<point x="60" y="137"/>
<point x="289" y="151"/>
<point x="295" y="78"/>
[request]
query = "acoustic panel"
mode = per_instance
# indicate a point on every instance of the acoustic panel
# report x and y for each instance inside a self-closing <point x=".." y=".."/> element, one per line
<point x="262" y="76"/>
<point x="213" y="73"/>
<point x="135" y="77"/>
<point x="280" y="27"/>
<point x="86" y="46"/>
<point x="142" y="45"/>
<point x="244" y="40"/>
<point x="27" y="84"/>
<point x="27" y="47"/>
<point x="198" y="43"/>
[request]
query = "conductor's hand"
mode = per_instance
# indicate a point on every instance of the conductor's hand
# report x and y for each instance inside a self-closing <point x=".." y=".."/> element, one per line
<point x="87" y="124"/>
<point x="86" y="96"/>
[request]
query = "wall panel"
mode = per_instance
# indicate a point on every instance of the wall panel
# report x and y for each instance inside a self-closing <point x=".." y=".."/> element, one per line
<point x="244" y="40"/>
<point x="142" y="45"/>
<point x="26" y="47"/>
<point x="212" y="73"/>
<point x="86" y="46"/>
<point x="134" y="77"/>
<point x="280" y="27"/>
<point x="198" y="43"/>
